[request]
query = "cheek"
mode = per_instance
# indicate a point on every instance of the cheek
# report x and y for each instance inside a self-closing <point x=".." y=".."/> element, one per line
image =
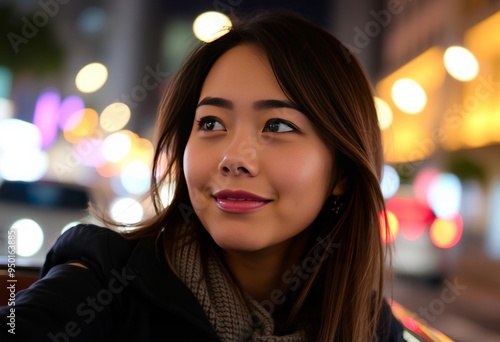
<point x="190" y="164"/>
<point x="304" y="172"/>
<point x="195" y="172"/>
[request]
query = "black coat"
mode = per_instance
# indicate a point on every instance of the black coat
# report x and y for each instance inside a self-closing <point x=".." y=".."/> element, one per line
<point x="131" y="295"/>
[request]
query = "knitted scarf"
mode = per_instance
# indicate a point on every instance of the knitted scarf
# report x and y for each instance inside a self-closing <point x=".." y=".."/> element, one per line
<point x="231" y="319"/>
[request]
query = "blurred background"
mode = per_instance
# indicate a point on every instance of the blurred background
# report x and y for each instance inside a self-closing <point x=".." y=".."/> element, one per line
<point x="80" y="82"/>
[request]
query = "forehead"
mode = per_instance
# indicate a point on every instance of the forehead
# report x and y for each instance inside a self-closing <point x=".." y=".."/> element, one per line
<point x="244" y="69"/>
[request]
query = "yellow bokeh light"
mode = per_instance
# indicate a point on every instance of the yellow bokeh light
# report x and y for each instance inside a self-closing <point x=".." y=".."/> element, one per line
<point x="409" y="96"/>
<point x="475" y="130"/>
<point x="114" y="117"/>
<point x="142" y="150"/>
<point x="211" y="25"/>
<point x="444" y="233"/>
<point x="393" y="230"/>
<point x="91" y="77"/>
<point x="384" y="113"/>
<point x="461" y="63"/>
<point x="80" y="125"/>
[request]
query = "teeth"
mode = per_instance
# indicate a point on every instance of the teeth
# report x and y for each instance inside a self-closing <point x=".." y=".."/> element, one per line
<point x="236" y="199"/>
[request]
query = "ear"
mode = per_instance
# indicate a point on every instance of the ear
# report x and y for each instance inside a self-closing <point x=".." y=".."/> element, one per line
<point x="339" y="189"/>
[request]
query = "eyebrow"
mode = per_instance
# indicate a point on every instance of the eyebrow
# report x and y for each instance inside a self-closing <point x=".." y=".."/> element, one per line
<point x="257" y="105"/>
<point x="216" y="101"/>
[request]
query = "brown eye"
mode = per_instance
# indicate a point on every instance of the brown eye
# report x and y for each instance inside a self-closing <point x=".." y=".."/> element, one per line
<point x="210" y="123"/>
<point x="279" y="126"/>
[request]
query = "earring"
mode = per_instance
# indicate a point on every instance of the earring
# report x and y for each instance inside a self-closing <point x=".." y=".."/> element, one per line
<point x="337" y="205"/>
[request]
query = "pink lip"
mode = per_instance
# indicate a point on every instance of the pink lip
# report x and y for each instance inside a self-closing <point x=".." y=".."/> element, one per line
<point x="238" y="201"/>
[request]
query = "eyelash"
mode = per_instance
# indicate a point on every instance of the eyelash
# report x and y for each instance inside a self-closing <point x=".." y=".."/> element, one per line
<point x="202" y="122"/>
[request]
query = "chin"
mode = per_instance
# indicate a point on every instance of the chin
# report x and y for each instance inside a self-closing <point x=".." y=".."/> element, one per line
<point x="239" y="243"/>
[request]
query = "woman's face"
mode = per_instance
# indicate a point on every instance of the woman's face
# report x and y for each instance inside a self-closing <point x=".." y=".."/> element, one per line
<point x="256" y="171"/>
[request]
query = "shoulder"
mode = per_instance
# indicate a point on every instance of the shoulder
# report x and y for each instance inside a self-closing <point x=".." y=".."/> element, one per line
<point x="89" y="244"/>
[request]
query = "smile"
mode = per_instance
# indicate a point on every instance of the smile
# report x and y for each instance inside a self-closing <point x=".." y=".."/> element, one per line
<point x="238" y="201"/>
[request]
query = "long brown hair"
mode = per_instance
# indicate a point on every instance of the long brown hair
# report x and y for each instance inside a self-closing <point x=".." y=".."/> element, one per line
<point x="328" y="85"/>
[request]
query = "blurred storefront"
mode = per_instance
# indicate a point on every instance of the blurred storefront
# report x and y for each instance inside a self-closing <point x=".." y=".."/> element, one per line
<point x="439" y="100"/>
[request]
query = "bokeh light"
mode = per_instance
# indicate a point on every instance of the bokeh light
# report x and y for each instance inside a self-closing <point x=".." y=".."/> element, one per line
<point x="27" y="164"/>
<point x="21" y="157"/>
<point x="384" y="112"/>
<point x="422" y="182"/>
<point x="492" y="240"/>
<point x="69" y="106"/>
<point x="444" y="195"/>
<point x="393" y="223"/>
<point x="114" y="117"/>
<point x="126" y="210"/>
<point x="211" y="25"/>
<point x="390" y="181"/>
<point x="80" y="125"/>
<point x="461" y="63"/>
<point x="116" y="146"/>
<point x="91" y="77"/>
<point x="15" y="133"/>
<point x="413" y="217"/>
<point x="46" y="116"/>
<point x="446" y="233"/>
<point x="29" y="237"/>
<point x="135" y="177"/>
<point x="141" y="150"/>
<point x="409" y="96"/>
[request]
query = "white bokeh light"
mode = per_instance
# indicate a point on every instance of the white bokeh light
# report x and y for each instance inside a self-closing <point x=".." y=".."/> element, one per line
<point x="444" y="195"/>
<point x="126" y="210"/>
<point x="116" y="147"/>
<point x="21" y="157"/>
<point x="91" y="77"/>
<point x="27" y="164"/>
<point x="114" y="117"/>
<point x="211" y="25"/>
<point x="461" y="63"/>
<point x="28" y="237"/>
<point x="135" y="177"/>
<point x="409" y="96"/>
<point x="384" y="112"/>
<point x="390" y="181"/>
<point x="17" y="134"/>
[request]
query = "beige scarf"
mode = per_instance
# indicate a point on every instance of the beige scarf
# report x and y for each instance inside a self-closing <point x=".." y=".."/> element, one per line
<point x="231" y="319"/>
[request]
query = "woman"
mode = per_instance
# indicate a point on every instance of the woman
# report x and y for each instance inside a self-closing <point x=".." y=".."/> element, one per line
<point x="273" y="232"/>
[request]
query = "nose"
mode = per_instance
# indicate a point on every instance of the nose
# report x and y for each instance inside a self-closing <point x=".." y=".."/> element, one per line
<point x="240" y="158"/>
<point x="232" y="167"/>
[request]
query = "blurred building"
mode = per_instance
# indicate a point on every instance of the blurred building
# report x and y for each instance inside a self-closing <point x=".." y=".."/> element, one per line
<point x="451" y="122"/>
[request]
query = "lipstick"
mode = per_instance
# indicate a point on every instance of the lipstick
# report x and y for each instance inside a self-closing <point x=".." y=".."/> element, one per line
<point x="239" y="201"/>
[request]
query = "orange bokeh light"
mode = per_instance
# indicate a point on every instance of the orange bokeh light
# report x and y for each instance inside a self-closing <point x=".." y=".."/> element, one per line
<point x="80" y="124"/>
<point x="388" y="235"/>
<point x="446" y="233"/>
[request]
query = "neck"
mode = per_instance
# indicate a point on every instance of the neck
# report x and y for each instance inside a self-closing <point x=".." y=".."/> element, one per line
<point x="260" y="273"/>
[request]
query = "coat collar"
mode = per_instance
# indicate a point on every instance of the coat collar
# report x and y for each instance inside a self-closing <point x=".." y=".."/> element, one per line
<point x="156" y="281"/>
